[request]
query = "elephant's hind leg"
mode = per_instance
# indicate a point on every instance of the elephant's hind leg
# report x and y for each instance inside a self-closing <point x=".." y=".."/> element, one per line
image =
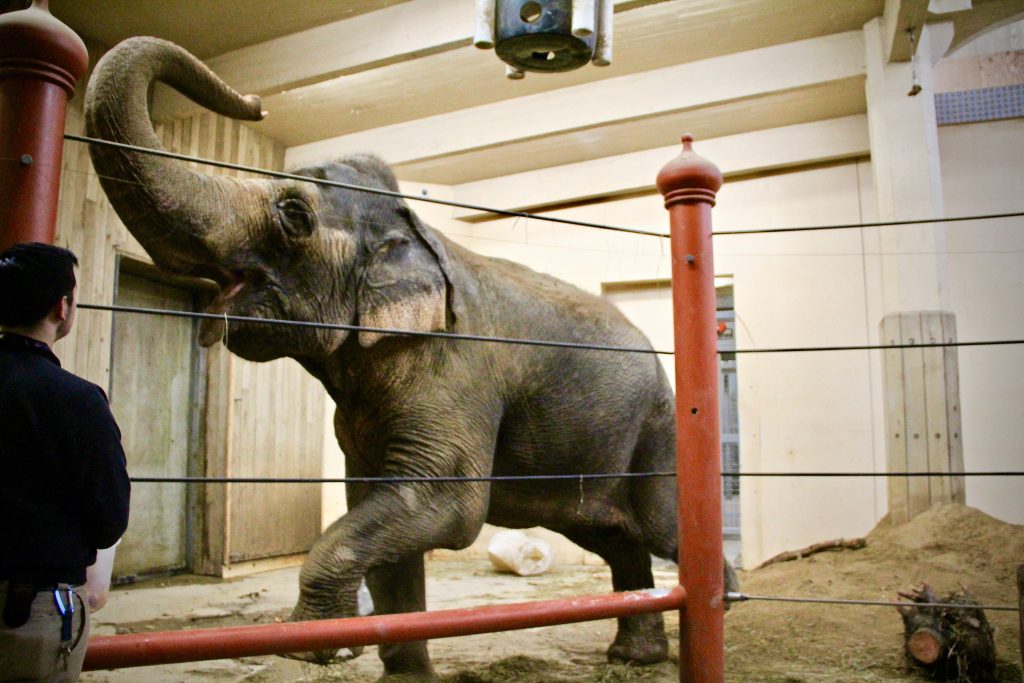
<point x="640" y="639"/>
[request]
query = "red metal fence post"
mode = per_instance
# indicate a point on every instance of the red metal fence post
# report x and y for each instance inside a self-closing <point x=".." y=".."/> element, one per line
<point x="689" y="184"/>
<point x="40" y="61"/>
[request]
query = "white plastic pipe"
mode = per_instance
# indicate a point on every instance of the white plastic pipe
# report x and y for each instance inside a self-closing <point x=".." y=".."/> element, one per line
<point x="511" y="550"/>
<point x="583" y="18"/>
<point x="483" y="36"/>
<point x="603" y="49"/>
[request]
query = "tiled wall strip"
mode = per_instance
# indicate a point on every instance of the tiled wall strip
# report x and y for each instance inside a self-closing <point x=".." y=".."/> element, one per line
<point x="985" y="104"/>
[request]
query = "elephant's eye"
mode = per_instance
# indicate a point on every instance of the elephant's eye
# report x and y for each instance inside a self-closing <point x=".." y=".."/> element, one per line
<point x="297" y="219"/>
<point x="393" y="246"/>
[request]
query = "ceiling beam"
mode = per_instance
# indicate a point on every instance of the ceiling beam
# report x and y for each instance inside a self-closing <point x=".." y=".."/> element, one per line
<point x="368" y="41"/>
<point x="899" y="17"/>
<point x="983" y="17"/>
<point x="633" y="98"/>
<point x="743" y="154"/>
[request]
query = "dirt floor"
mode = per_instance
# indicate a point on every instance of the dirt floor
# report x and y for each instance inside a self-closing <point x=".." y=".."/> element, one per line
<point x="765" y="641"/>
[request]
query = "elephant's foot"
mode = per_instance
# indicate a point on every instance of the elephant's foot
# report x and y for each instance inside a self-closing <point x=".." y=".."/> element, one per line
<point x="406" y="663"/>
<point x="324" y="657"/>
<point x="303" y="612"/>
<point x="424" y="677"/>
<point x="639" y="646"/>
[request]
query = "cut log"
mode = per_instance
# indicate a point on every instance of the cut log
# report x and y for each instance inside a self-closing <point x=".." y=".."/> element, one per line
<point x="950" y="643"/>
<point x="838" y="544"/>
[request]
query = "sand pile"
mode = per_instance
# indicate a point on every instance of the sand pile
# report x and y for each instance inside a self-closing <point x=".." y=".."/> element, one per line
<point x="947" y="547"/>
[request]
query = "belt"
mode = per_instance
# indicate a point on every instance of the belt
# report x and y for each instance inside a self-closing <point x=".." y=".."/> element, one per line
<point x="19" y="596"/>
<point x="37" y="586"/>
<point x="46" y="578"/>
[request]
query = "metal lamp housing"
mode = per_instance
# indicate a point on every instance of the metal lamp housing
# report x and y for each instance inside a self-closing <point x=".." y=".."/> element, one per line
<point x="536" y="35"/>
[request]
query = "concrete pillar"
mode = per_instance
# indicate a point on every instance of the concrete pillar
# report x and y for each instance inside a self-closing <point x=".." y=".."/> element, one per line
<point x="907" y="175"/>
<point x="921" y="387"/>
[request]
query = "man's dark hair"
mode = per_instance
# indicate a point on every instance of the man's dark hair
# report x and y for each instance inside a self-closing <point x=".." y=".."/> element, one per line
<point x="33" y="278"/>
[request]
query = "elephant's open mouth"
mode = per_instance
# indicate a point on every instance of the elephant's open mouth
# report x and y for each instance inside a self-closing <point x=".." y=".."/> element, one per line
<point x="212" y="330"/>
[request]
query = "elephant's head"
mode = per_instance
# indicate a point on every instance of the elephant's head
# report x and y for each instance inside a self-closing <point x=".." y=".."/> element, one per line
<point x="277" y="248"/>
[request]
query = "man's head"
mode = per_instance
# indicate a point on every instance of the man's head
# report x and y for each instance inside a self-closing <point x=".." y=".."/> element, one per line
<point x="37" y="283"/>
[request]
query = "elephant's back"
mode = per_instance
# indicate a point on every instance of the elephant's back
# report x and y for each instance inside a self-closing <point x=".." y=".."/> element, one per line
<point x="518" y="299"/>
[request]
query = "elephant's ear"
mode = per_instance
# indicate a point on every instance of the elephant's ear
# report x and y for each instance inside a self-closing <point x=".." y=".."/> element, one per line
<point x="405" y="285"/>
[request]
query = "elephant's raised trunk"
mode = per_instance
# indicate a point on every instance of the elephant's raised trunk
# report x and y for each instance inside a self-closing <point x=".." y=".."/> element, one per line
<point x="169" y="208"/>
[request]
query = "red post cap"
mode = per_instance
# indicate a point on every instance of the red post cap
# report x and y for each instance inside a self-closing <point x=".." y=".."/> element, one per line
<point x="37" y="45"/>
<point x="689" y="177"/>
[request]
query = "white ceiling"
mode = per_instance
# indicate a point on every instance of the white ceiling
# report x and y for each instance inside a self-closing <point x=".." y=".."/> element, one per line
<point x="339" y="70"/>
<point x="205" y="27"/>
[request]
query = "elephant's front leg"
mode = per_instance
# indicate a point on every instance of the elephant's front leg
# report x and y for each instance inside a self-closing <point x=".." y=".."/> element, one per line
<point x="384" y="537"/>
<point x="396" y="588"/>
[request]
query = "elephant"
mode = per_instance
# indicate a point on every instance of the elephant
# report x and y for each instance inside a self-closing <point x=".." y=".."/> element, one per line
<point x="407" y="406"/>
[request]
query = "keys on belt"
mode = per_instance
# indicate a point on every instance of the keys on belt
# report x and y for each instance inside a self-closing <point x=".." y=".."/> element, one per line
<point x="64" y="598"/>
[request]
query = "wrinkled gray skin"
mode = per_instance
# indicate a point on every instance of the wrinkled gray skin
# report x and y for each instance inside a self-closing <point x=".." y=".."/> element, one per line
<point x="406" y="406"/>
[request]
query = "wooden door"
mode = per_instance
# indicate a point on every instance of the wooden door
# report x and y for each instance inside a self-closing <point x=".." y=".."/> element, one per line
<point x="151" y="397"/>
<point x="277" y="431"/>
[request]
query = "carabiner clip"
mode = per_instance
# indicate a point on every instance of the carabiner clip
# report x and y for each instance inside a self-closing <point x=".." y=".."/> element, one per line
<point x="67" y="613"/>
<point x="60" y="603"/>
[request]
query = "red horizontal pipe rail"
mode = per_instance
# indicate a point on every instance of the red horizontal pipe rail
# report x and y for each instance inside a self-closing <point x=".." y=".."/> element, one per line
<point x="169" y="647"/>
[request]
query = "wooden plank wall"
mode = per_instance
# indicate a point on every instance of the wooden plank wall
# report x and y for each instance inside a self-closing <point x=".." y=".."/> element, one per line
<point x="922" y="412"/>
<point x="260" y="419"/>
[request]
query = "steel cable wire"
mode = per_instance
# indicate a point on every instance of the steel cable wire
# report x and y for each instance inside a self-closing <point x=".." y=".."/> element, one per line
<point x="525" y="342"/>
<point x="619" y="252"/>
<point x="518" y="214"/>
<point x="743" y="597"/>
<point x="547" y="477"/>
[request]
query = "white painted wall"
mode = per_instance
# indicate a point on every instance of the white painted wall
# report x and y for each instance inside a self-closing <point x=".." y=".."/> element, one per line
<point x="983" y="172"/>
<point x="818" y="411"/>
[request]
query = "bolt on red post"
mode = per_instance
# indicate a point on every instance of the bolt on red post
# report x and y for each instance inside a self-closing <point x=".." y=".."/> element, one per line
<point x="40" y="61"/>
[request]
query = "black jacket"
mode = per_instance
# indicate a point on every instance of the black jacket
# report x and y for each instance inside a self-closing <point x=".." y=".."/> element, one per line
<point x="63" y="481"/>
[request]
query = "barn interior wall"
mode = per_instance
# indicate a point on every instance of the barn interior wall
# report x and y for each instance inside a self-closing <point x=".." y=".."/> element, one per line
<point x="261" y="419"/>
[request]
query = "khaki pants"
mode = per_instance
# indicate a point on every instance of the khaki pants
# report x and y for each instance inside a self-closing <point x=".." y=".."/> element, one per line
<point x="32" y="652"/>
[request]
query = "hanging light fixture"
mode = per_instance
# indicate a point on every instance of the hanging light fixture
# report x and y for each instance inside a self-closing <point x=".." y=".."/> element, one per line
<point x="545" y="35"/>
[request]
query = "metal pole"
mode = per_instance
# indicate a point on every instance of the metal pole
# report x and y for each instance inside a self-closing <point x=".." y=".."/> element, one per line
<point x="143" y="649"/>
<point x="689" y="184"/>
<point x="40" y="61"/>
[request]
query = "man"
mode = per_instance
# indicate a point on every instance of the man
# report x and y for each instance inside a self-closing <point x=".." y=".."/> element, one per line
<point x="63" y="484"/>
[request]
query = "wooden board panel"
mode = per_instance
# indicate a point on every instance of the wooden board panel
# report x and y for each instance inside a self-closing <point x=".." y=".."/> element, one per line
<point x="936" y="434"/>
<point x="895" y="420"/>
<point x="955" y="443"/>
<point x="151" y="399"/>
<point x="916" y="417"/>
<point x="922" y="412"/>
<point x="277" y="425"/>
